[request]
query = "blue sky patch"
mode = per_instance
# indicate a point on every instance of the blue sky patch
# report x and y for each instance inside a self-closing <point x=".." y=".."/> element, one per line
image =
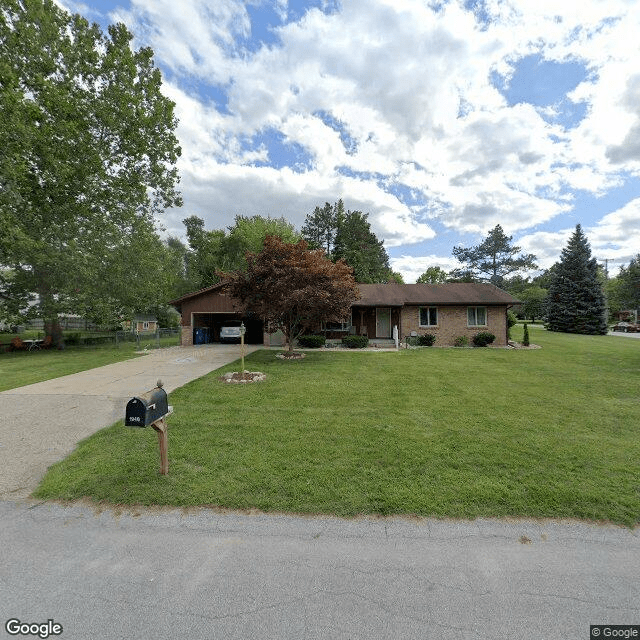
<point x="264" y="21"/>
<point x="542" y="83"/>
<point x="545" y="84"/>
<point x="282" y="153"/>
<point x="350" y="143"/>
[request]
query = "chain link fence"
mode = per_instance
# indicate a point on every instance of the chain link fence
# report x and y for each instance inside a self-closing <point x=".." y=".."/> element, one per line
<point x="143" y="340"/>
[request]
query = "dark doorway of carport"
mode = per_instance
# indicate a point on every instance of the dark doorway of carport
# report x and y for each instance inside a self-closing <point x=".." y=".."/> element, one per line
<point x="206" y="327"/>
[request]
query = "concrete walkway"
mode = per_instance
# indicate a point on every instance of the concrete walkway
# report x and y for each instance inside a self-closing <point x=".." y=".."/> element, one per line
<point x="42" y="423"/>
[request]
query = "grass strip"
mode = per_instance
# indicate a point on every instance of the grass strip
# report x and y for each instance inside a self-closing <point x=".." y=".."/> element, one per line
<point x="460" y="433"/>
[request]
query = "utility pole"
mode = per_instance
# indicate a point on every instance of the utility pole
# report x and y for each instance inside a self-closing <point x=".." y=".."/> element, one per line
<point x="606" y="265"/>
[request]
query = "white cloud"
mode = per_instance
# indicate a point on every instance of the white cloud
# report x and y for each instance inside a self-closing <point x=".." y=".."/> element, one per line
<point x="616" y="235"/>
<point x="412" y="267"/>
<point x="546" y="245"/>
<point x="412" y="89"/>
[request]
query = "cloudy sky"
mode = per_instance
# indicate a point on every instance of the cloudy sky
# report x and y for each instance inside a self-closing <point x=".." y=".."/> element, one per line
<point x="440" y="118"/>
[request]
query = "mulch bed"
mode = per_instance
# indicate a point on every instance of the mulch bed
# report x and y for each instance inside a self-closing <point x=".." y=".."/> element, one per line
<point x="519" y="345"/>
<point x="243" y="377"/>
<point x="295" y="355"/>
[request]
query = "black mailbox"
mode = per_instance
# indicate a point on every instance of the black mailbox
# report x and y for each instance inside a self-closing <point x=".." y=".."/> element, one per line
<point x="146" y="409"/>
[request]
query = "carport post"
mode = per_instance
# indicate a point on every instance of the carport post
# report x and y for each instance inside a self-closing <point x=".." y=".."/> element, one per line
<point x="242" y="332"/>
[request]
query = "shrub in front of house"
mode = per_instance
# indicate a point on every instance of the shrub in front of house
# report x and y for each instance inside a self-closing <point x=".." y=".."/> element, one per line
<point x="461" y="341"/>
<point x="312" y="341"/>
<point x="355" y="342"/>
<point x="483" y="338"/>
<point x="525" y="338"/>
<point x="427" y="340"/>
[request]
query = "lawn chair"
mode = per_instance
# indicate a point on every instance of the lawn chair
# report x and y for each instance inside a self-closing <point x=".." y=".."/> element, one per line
<point x="17" y="344"/>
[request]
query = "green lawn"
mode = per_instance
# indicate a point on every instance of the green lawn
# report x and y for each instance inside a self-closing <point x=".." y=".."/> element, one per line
<point x="552" y="432"/>
<point x="18" y="368"/>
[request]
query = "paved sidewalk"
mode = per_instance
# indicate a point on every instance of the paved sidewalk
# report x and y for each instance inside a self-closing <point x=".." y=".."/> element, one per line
<point x="42" y="423"/>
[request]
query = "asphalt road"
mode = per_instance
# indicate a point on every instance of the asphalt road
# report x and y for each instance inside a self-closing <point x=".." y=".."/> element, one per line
<point x="174" y="574"/>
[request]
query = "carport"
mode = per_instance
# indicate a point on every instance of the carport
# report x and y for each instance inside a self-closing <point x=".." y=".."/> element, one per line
<point x="212" y="321"/>
<point x="205" y="311"/>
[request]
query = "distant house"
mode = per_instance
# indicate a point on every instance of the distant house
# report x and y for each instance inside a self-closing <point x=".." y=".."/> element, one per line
<point x="141" y="323"/>
<point x="447" y="311"/>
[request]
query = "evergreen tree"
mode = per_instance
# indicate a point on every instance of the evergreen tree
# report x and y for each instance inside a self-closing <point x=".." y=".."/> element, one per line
<point x="348" y="236"/>
<point x="321" y="226"/>
<point x="492" y="260"/>
<point x="359" y="247"/>
<point x="576" y="302"/>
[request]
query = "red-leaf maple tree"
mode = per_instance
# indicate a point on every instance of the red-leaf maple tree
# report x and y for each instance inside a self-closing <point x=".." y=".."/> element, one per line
<point x="293" y="288"/>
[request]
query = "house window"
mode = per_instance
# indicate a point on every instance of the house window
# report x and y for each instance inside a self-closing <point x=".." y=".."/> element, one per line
<point x="336" y="326"/>
<point x="345" y="325"/>
<point x="428" y="316"/>
<point x="477" y="316"/>
<point x="145" y="326"/>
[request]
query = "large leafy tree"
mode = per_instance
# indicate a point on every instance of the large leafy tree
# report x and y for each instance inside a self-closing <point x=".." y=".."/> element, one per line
<point x="213" y="251"/>
<point x="576" y="302"/>
<point x="248" y="235"/>
<point x="433" y="275"/>
<point x="87" y="158"/>
<point x="293" y="288"/>
<point x="533" y="301"/>
<point x="494" y="259"/>
<point x="205" y="256"/>
<point x="629" y="279"/>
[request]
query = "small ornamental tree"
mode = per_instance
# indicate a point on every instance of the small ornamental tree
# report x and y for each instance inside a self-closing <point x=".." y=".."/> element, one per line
<point x="293" y="288"/>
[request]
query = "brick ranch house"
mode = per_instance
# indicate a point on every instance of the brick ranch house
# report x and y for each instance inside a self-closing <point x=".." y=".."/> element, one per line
<point x="444" y="310"/>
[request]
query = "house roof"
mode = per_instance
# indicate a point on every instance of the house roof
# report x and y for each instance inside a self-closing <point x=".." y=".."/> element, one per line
<point x="398" y="295"/>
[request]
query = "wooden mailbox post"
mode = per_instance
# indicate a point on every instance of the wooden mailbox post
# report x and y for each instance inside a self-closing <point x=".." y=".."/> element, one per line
<point x="151" y="409"/>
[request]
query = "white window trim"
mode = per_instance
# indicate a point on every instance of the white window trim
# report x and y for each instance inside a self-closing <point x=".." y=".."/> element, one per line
<point x="486" y="316"/>
<point x="428" y="325"/>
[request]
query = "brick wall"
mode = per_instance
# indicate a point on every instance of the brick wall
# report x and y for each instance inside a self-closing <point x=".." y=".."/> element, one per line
<point x="187" y="336"/>
<point x="452" y="323"/>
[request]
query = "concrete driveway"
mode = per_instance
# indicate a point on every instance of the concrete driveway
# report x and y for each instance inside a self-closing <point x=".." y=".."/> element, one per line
<point x="42" y="423"/>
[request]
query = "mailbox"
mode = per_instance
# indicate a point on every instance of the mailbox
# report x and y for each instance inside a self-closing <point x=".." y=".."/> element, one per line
<point x="146" y="409"/>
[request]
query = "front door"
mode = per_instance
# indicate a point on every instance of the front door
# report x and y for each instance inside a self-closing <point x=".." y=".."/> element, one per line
<point x="383" y="322"/>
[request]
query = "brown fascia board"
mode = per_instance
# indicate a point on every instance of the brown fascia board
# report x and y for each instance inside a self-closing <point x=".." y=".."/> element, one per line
<point x="194" y="294"/>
